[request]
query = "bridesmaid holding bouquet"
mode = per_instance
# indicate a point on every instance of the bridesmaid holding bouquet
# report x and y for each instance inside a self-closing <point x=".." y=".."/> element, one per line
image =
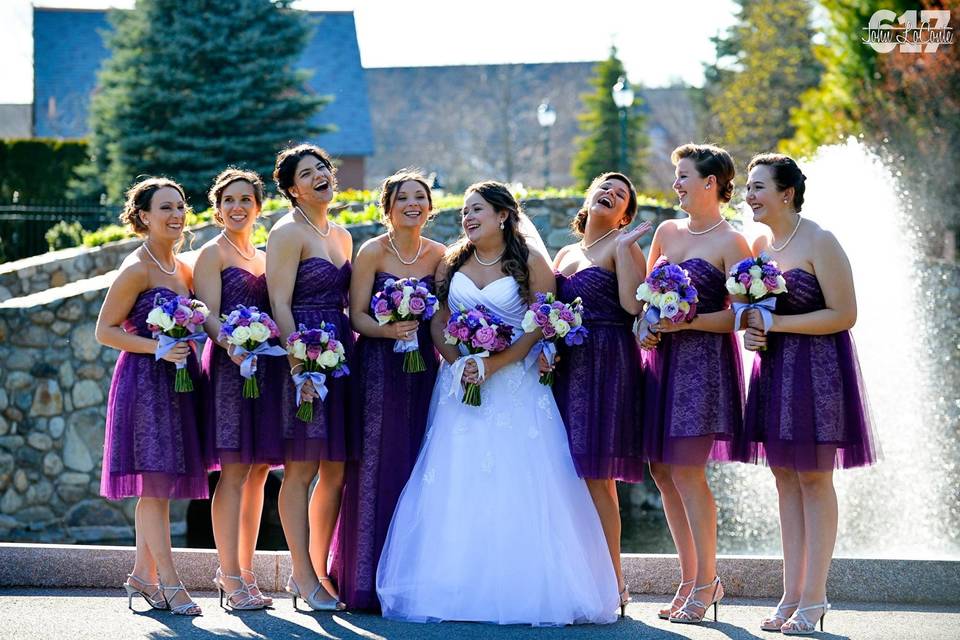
<point x="152" y="447"/>
<point x="597" y="383"/>
<point x="388" y="404"/>
<point x="242" y="435"/>
<point x="694" y="382"/>
<point x="807" y="412"/>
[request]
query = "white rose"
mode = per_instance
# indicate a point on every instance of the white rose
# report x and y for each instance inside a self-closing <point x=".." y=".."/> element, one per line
<point x="241" y="334"/>
<point x="329" y="359"/>
<point x="447" y="338"/>
<point x="758" y="289"/>
<point x="684" y="306"/>
<point x="300" y="350"/>
<point x="562" y="327"/>
<point x="159" y="318"/>
<point x="670" y="297"/>
<point x="259" y="332"/>
<point x="529" y="323"/>
<point x="756" y="272"/>
<point x="656" y="299"/>
<point x="404" y="308"/>
<point x="643" y="292"/>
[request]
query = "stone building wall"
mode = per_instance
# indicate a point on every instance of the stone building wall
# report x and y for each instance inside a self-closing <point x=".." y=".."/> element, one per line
<point x="54" y="379"/>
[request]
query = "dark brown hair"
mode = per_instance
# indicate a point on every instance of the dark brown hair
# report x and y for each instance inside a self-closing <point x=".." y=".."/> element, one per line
<point x="710" y="160"/>
<point x="139" y="197"/>
<point x="286" y="166"/>
<point x="785" y="172"/>
<point x="579" y="224"/>
<point x="515" y="254"/>
<point x="390" y="187"/>
<point x="226" y="178"/>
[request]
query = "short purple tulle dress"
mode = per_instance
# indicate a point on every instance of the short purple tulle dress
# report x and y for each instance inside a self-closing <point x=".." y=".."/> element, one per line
<point x="807" y="408"/>
<point x="320" y="294"/>
<point x="693" y="405"/>
<point x="390" y="408"/>
<point x="598" y="384"/>
<point x="240" y="430"/>
<point x="152" y="444"/>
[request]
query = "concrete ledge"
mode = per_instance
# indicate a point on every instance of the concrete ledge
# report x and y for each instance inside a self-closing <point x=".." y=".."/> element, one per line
<point x="851" y="579"/>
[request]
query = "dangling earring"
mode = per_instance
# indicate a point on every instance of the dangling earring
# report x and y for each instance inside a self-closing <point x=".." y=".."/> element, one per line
<point x="706" y="186"/>
<point x="501" y="225"/>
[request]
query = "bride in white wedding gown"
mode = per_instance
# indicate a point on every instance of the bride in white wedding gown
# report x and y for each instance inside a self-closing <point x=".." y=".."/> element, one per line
<point x="494" y="525"/>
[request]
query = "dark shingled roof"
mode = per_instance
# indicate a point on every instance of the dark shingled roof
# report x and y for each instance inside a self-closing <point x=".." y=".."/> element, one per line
<point x="68" y="50"/>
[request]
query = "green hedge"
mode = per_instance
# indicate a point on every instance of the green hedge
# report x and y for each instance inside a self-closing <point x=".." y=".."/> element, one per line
<point x="38" y="169"/>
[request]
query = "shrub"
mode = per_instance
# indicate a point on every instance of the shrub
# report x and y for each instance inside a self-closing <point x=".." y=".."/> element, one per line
<point x="106" y="234"/>
<point x="64" y="235"/>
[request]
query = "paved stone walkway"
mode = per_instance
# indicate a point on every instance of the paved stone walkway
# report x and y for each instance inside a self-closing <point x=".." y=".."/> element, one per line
<point x="81" y="614"/>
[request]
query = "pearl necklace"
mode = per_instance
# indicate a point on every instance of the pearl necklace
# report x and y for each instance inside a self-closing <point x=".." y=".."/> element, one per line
<point x="476" y="255"/>
<point x="700" y="233"/>
<point x="154" y="258"/>
<point x="793" y="233"/>
<point x="315" y="227"/>
<point x="238" y="248"/>
<point x="397" y="251"/>
<point x="587" y="246"/>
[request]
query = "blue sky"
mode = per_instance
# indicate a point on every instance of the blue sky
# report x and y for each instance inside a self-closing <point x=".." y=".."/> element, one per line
<point x="657" y="46"/>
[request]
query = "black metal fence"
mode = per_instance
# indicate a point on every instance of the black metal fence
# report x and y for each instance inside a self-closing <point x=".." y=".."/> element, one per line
<point x="24" y="225"/>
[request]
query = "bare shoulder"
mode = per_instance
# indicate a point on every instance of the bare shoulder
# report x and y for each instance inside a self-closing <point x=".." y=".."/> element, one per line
<point x="824" y="242"/>
<point x="133" y="273"/>
<point x="372" y="248"/>
<point x="760" y="243"/>
<point x="433" y="247"/>
<point x="285" y="233"/>
<point x="209" y="253"/>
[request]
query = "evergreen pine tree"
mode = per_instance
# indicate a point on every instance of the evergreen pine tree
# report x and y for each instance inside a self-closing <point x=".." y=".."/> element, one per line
<point x="764" y="64"/>
<point x="193" y="86"/>
<point x="599" y="145"/>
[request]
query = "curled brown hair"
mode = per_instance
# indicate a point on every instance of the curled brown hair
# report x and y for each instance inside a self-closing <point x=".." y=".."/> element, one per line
<point x="139" y="197"/>
<point x="710" y="160"/>
<point x="786" y="174"/>
<point x="515" y="254"/>
<point x="286" y="166"/>
<point x="390" y="187"/>
<point x="226" y="178"/>
<point x="579" y="224"/>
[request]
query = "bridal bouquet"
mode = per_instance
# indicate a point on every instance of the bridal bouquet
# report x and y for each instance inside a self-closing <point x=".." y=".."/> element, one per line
<point x="173" y="320"/>
<point x="668" y="293"/>
<point x="477" y="333"/>
<point x="405" y="299"/>
<point x="759" y="279"/>
<point x="557" y="320"/>
<point x="249" y="330"/>
<point x="321" y="354"/>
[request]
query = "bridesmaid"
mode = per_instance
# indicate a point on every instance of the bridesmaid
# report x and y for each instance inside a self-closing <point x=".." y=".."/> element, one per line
<point x="806" y="411"/>
<point x="242" y="440"/>
<point x="152" y="444"/>
<point x="308" y="277"/>
<point x="694" y="387"/>
<point x="597" y="382"/>
<point x="389" y="406"/>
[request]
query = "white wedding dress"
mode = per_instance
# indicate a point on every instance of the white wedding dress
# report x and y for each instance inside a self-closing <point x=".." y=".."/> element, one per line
<point x="494" y="525"/>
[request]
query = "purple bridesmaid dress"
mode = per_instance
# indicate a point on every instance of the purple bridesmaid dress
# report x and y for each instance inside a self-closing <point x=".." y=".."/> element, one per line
<point x="320" y="295"/>
<point x="807" y="409"/>
<point x="241" y="430"/>
<point x="152" y="443"/>
<point x="390" y="408"/>
<point x="693" y="406"/>
<point x="598" y="384"/>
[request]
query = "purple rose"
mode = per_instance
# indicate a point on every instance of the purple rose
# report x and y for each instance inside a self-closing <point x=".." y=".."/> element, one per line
<point x="417" y="306"/>
<point x="770" y="282"/>
<point x="566" y="314"/>
<point x="382" y="307"/>
<point x="396" y="297"/>
<point x="181" y="316"/>
<point x="313" y="352"/>
<point x="744" y="279"/>
<point x="541" y="319"/>
<point x="548" y="330"/>
<point x="485" y="338"/>
<point x="463" y="332"/>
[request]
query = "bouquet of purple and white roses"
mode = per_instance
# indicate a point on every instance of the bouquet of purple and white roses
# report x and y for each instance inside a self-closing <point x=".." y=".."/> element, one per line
<point x="668" y="294"/>
<point x="173" y="320"/>
<point x="759" y="279"/>
<point x="558" y="321"/>
<point x="477" y="333"/>
<point x="321" y="354"/>
<point x="249" y="330"/>
<point x="405" y="299"/>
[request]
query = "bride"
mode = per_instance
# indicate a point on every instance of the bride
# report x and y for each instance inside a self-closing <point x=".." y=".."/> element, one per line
<point x="494" y="525"/>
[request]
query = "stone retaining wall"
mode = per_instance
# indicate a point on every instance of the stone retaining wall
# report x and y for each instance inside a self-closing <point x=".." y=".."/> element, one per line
<point x="55" y="376"/>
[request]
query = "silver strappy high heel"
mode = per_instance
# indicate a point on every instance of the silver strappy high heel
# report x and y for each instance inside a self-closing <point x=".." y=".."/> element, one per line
<point x="312" y="600"/>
